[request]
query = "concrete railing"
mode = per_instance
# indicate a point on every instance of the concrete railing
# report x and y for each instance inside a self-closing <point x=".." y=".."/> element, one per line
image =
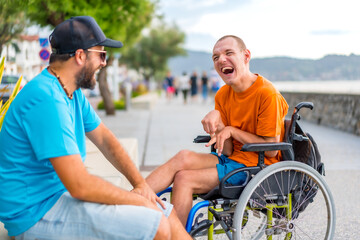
<point x="340" y="111"/>
<point x="146" y="101"/>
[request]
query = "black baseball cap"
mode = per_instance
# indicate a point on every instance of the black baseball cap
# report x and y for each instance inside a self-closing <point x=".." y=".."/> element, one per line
<point x="81" y="32"/>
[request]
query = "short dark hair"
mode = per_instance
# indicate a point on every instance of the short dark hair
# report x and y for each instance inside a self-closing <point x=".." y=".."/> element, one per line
<point x="62" y="57"/>
<point x="59" y="57"/>
<point x="240" y="42"/>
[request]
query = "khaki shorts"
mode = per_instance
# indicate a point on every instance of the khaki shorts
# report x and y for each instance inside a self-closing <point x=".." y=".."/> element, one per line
<point x="71" y="219"/>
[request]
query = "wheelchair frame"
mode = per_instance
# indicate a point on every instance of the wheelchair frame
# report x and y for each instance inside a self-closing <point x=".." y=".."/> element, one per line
<point x="268" y="197"/>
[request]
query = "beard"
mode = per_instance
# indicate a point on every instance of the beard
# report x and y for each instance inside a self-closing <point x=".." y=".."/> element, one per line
<point x="85" y="78"/>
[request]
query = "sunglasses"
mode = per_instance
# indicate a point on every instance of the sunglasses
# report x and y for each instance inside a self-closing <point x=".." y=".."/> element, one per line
<point x="102" y="53"/>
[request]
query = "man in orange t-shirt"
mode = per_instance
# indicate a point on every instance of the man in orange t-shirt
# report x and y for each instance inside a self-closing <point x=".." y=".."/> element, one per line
<point x="248" y="109"/>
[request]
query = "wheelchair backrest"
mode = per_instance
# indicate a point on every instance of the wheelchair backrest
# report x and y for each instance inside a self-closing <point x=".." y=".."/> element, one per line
<point x="304" y="148"/>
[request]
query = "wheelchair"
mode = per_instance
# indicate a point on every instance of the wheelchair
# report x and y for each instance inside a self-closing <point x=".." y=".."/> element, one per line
<point x="286" y="200"/>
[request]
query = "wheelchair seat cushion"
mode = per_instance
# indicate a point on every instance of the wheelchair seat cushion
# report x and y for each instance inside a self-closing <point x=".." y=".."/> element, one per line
<point x="227" y="165"/>
<point x="212" y="195"/>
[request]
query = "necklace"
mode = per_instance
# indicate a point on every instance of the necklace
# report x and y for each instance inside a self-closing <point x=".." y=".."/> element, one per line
<point x="70" y="96"/>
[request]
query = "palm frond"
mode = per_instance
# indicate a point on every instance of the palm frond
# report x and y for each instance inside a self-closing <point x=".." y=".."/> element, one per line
<point x="16" y="89"/>
<point x="2" y="66"/>
<point x="5" y="107"/>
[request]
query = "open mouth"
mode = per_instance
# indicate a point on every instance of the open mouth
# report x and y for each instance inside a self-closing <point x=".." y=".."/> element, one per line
<point x="97" y="71"/>
<point x="227" y="70"/>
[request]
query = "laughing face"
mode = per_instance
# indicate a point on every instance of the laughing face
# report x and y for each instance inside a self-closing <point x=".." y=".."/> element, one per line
<point x="230" y="60"/>
<point x="85" y="78"/>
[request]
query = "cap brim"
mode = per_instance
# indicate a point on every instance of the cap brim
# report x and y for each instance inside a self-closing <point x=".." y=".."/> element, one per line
<point x="111" y="43"/>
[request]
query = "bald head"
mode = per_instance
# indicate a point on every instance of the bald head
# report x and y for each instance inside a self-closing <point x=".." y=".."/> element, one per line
<point x="239" y="41"/>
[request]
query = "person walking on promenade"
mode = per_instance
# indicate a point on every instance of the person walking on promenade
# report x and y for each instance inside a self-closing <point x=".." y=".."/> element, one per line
<point x="184" y="85"/>
<point x="170" y="85"/>
<point x="45" y="190"/>
<point x="248" y="109"/>
<point x="194" y="86"/>
<point x="204" y="84"/>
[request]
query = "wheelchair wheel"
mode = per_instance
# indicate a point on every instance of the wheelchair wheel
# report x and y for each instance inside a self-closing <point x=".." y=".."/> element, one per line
<point x="293" y="198"/>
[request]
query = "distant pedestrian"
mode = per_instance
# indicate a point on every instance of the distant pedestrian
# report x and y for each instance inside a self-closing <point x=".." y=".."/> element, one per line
<point x="170" y="88"/>
<point x="176" y="86"/>
<point x="194" y="85"/>
<point x="204" y="84"/>
<point x="184" y="85"/>
<point x="214" y="82"/>
<point x="165" y="85"/>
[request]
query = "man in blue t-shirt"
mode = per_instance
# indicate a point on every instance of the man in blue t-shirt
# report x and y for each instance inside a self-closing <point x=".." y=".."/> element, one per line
<point x="45" y="189"/>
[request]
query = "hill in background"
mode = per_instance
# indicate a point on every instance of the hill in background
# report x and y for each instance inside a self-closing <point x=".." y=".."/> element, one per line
<point x="330" y="67"/>
<point x="193" y="61"/>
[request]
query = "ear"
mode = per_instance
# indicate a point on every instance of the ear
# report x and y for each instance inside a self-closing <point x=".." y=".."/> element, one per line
<point x="247" y="55"/>
<point x="80" y="57"/>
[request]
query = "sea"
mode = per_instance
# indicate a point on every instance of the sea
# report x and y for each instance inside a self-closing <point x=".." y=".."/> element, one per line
<point x="320" y="86"/>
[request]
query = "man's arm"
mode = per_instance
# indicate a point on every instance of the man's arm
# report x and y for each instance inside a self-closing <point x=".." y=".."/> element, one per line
<point x="222" y="135"/>
<point x="230" y="132"/>
<point x="86" y="187"/>
<point x="109" y="145"/>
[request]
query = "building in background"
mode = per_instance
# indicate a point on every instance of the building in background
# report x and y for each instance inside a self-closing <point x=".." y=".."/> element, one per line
<point x="29" y="55"/>
<point x="22" y="57"/>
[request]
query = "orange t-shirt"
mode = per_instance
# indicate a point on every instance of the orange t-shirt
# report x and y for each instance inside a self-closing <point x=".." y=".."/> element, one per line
<point x="260" y="110"/>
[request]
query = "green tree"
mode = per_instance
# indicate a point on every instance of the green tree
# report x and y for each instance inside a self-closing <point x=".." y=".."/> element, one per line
<point x="12" y="20"/>
<point x="119" y="19"/>
<point x="150" y="55"/>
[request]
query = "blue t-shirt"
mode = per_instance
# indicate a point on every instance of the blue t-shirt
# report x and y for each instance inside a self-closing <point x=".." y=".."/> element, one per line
<point x="41" y="123"/>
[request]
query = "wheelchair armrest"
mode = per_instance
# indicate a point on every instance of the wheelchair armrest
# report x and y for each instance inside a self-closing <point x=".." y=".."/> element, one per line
<point x="205" y="139"/>
<point x="229" y="191"/>
<point x="202" y="139"/>
<point x="263" y="147"/>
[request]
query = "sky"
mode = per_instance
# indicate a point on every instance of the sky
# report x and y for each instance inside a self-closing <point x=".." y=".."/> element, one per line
<point x="307" y="29"/>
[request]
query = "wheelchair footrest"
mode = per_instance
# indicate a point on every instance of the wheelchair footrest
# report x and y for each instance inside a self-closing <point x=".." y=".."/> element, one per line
<point x="201" y="226"/>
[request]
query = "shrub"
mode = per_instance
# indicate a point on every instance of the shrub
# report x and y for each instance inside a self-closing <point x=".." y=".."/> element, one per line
<point x="119" y="105"/>
<point x="139" y="90"/>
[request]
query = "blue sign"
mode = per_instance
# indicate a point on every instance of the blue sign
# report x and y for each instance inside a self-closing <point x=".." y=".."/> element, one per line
<point x="44" y="42"/>
<point x="44" y="54"/>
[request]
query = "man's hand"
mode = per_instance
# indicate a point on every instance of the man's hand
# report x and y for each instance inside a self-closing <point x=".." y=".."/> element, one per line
<point x="145" y="191"/>
<point x="220" y="138"/>
<point x="212" y="122"/>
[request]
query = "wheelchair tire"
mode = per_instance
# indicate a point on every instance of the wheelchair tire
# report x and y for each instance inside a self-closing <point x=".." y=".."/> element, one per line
<point x="316" y="220"/>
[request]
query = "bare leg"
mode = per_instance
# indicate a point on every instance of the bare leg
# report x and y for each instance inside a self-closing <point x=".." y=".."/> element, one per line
<point x="163" y="176"/>
<point x="163" y="231"/>
<point x="171" y="228"/>
<point x="188" y="182"/>
<point x="177" y="229"/>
